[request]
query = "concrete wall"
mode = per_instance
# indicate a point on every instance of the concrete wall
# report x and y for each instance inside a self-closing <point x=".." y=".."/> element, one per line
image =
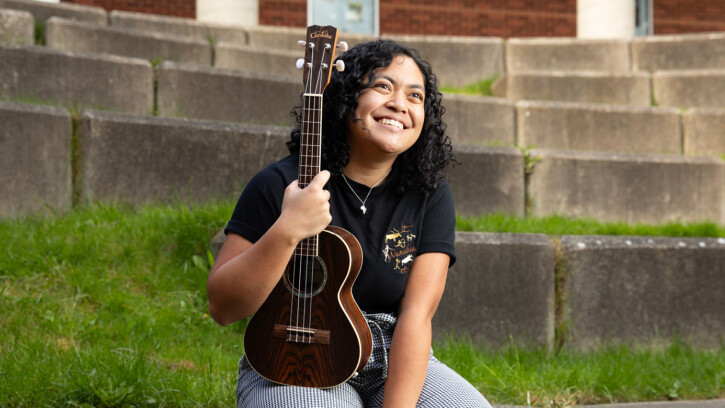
<point x="226" y="95"/>
<point x="16" y="27"/>
<point x="178" y="26"/>
<point x="689" y="89"/>
<point x="705" y="132"/>
<point x="35" y="159"/>
<point x="643" y="290"/>
<point x="77" y="36"/>
<point x="587" y="87"/>
<point x="43" y="11"/>
<point x="479" y="120"/>
<point x="76" y="80"/>
<point x="500" y="289"/>
<point x="141" y="159"/>
<point x="677" y="52"/>
<point x="488" y="180"/>
<point x="567" y="54"/>
<point x="627" y="187"/>
<point x="560" y="125"/>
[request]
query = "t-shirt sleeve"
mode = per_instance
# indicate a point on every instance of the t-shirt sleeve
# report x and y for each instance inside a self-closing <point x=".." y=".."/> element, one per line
<point x="259" y="206"/>
<point x="439" y="224"/>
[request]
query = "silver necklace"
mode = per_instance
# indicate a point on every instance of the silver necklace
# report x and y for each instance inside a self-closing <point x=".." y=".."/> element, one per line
<point x="362" y="207"/>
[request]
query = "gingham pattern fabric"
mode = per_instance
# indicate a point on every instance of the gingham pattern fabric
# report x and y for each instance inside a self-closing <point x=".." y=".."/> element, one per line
<point x="443" y="387"/>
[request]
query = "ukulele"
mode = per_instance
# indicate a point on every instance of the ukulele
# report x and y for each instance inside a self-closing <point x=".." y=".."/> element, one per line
<point x="310" y="332"/>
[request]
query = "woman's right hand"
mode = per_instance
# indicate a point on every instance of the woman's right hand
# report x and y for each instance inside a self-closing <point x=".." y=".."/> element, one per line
<point x="306" y="212"/>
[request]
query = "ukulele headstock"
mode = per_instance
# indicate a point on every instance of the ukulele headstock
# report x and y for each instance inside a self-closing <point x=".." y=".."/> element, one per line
<point x="320" y="46"/>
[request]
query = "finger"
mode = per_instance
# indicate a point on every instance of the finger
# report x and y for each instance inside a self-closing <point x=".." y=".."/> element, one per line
<point x="320" y="179"/>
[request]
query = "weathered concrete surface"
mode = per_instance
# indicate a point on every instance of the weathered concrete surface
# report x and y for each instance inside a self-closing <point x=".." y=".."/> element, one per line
<point x="479" y="120"/>
<point x="689" y="89"/>
<point x="35" y="159"/>
<point x="561" y="125"/>
<point x="567" y="54"/>
<point x="178" y="26"/>
<point x="251" y="59"/>
<point x="590" y="87"/>
<point x="644" y="290"/>
<point x="459" y="61"/>
<point x="627" y="187"/>
<point x="705" y="132"/>
<point x="76" y="80"/>
<point x="84" y="37"/>
<point x="501" y="288"/>
<point x="488" y="180"/>
<point x="16" y="27"/>
<point x="218" y="94"/>
<point x="677" y="52"/>
<point x="43" y="11"/>
<point x="141" y="159"/>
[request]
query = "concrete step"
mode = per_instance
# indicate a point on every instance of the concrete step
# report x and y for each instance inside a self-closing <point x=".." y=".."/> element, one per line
<point x="479" y="120"/>
<point x="251" y="59"/>
<point x="226" y="95"/>
<point x="42" y="11"/>
<point x="567" y="54"/>
<point x="634" y="188"/>
<point x="76" y="80"/>
<point x="142" y="159"/>
<point x="631" y="89"/>
<point x="178" y="26"/>
<point x="35" y="159"/>
<point x="84" y="37"/>
<point x="16" y="27"/>
<point x="679" y="52"/>
<point x="704" y="130"/>
<point x="689" y="88"/>
<point x="576" y="126"/>
<point x="459" y="61"/>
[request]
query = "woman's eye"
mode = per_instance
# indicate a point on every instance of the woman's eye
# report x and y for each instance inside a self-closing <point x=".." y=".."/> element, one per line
<point x="382" y="85"/>
<point x="417" y="95"/>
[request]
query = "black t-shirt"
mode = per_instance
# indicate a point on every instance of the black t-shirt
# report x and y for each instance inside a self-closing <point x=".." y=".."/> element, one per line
<point x="393" y="231"/>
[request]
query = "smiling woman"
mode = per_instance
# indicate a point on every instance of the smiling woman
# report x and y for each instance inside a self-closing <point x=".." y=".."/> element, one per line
<point x="383" y="146"/>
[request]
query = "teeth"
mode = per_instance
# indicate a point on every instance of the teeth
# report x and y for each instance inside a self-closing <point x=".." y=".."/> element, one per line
<point x="391" y="122"/>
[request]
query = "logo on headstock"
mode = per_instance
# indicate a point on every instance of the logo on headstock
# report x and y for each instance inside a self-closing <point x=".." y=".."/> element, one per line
<point x="323" y="34"/>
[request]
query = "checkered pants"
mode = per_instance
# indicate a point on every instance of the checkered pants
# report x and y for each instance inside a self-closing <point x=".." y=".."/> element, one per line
<point x="443" y="387"/>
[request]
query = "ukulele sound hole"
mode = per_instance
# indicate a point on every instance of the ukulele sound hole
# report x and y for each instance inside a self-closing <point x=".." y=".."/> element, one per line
<point x="305" y="276"/>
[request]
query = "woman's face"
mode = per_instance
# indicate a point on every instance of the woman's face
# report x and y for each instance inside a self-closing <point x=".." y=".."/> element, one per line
<point x="390" y="112"/>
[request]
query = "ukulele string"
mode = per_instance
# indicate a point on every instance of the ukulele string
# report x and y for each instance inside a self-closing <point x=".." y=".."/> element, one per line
<point x="297" y="267"/>
<point x="317" y="129"/>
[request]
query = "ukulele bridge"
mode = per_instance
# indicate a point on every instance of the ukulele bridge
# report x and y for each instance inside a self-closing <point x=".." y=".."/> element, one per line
<point x="301" y="334"/>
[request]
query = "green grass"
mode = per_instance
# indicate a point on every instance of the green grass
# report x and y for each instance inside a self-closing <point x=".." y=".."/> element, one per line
<point x="558" y="225"/>
<point x="567" y="378"/>
<point x="479" y="88"/>
<point x="105" y="306"/>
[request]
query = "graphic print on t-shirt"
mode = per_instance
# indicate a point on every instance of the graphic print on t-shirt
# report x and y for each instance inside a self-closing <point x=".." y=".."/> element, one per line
<point x="399" y="248"/>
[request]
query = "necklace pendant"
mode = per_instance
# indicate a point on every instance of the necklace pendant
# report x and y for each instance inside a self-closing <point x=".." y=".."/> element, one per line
<point x="362" y="207"/>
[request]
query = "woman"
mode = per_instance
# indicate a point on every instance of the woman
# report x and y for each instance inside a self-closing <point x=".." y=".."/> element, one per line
<point x="385" y="152"/>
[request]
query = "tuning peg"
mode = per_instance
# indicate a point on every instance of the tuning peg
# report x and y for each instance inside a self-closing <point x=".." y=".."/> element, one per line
<point x="342" y="45"/>
<point x="340" y="65"/>
<point x="300" y="63"/>
<point x="301" y="43"/>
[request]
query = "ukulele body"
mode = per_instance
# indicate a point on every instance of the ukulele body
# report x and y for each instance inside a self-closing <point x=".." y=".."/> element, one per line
<point x="310" y="332"/>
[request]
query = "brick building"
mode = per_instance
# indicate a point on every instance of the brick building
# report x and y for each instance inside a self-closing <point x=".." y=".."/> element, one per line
<point x="499" y="18"/>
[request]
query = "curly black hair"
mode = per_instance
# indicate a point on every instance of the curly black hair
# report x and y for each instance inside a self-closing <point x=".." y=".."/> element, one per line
<point x="424" y="163"/>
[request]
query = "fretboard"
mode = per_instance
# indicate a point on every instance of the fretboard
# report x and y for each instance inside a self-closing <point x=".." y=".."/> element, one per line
<point x="310" y="156"/>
